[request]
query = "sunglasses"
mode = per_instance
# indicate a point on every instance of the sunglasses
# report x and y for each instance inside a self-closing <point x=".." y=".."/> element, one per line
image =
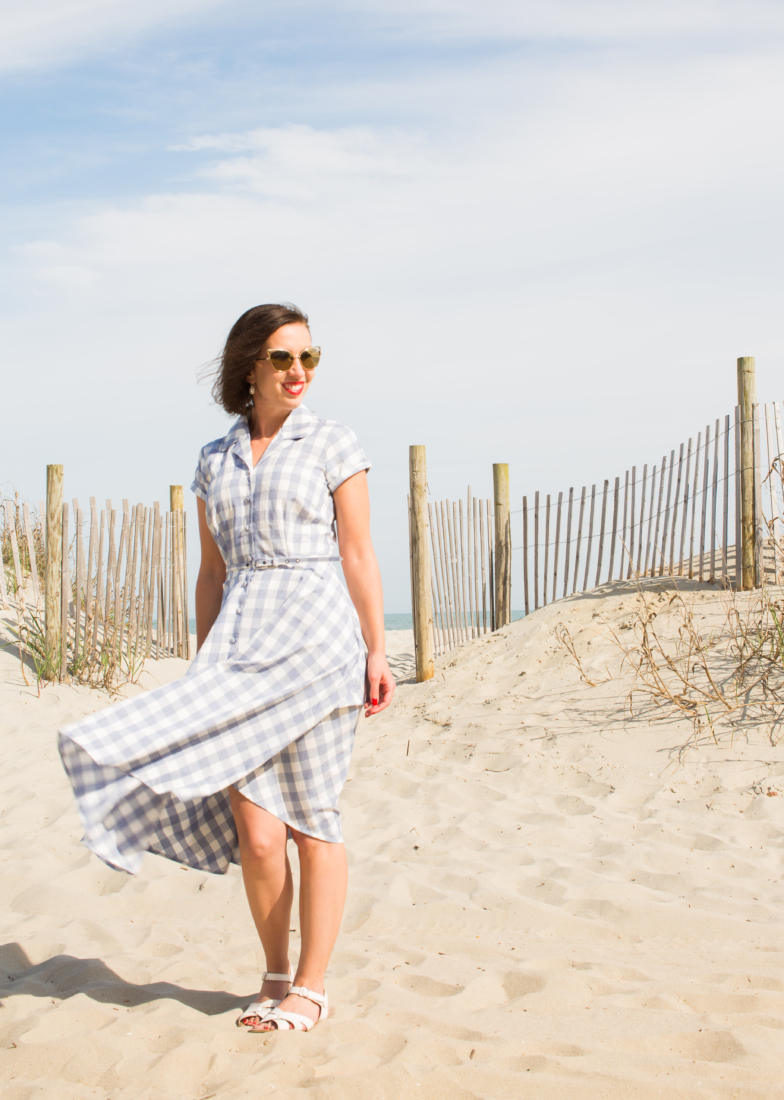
<point x="284" y="360"/>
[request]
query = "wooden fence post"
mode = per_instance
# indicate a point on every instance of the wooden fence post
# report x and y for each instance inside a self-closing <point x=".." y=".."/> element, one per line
<point x="54" y="568"/>
<point x="503" y="546"/>
<point x="420" y="565"/>
<point x="177" y="504"/>
<point x="759" y="518"/>
<point x="65" y="598"/>
<point x="747" y="398"/>
<point x="3" y="593"/>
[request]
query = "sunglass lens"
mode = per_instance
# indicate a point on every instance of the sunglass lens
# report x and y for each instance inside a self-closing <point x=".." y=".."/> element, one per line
<point x="281" y="360"/>
<point x="310" y="358"/>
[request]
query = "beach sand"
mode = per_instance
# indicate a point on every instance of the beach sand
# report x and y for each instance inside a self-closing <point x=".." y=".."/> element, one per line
<point x="547" y="899"/>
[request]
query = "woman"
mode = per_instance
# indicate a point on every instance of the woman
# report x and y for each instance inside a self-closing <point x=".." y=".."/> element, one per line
<point x="254" y="743"/>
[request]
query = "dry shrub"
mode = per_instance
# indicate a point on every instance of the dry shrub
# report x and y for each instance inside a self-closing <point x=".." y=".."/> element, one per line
<point x="108" y="654"/>
<point x="725" y="679"/>
<point x="774" y="484"/>
<point x="567" y="641"/>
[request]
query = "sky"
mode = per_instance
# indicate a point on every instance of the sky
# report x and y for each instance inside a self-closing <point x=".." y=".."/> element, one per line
<point x="538" y="233"/>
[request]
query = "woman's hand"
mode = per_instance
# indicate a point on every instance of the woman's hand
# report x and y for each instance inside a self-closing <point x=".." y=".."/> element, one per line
<point x="379" y="685"/>
<point x="360" y="568"/>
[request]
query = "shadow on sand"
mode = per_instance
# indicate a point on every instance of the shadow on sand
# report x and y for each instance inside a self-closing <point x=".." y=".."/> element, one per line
<point x="64" y="976"/>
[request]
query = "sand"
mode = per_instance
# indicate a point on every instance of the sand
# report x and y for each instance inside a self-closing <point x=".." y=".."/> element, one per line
<point x="546" y="900"/>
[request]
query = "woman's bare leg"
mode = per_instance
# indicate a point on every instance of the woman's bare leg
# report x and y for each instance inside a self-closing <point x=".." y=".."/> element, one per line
<point x="266" y="873"/>
<point x="322" y="896"/>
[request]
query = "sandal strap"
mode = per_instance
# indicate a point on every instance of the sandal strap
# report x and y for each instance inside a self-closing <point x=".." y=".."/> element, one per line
<point x="260" y="1007"/>
<point x="257" y="1011"/>
<point x="270" y="977"/>
<point x="319" y="999"/>
<point x="295" y="1020"/>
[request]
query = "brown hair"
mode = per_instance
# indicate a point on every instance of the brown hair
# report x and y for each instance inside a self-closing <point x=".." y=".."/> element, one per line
<point x="243" y="346"/>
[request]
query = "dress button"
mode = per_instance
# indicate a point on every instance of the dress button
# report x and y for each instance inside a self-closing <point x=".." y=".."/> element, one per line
<point x="232" y="640"/>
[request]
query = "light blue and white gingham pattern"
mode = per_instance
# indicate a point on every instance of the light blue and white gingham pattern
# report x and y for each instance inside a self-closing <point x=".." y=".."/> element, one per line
<point x="283" y="508"/>
<point x="271" y="702"/>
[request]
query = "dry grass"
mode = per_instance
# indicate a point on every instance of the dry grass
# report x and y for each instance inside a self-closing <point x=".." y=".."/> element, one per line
<point x="37" y="524"/>
<point x="726" y="675"/>
<point x="724" y="678"/>
<point x="107" y="654"/>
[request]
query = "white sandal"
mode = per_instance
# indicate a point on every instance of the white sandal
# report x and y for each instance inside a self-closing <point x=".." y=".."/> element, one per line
<point x="295" y="1021"/>
<point x="259" y="1009"/>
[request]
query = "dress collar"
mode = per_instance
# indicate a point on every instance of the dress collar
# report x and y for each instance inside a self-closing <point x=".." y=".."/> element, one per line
<point x="299" y="423"/>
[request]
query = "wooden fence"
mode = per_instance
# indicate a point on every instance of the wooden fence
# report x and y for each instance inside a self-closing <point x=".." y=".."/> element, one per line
<point x="96" y="592"/>
<point x="678" y="517"/>
<point x="682" y="516"/>
<point x="462" y="547"/>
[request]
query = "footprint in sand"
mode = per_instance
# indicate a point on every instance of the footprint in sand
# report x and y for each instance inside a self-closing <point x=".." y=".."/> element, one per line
<point x="516" y="984"/>
<point x="428" y="987"/>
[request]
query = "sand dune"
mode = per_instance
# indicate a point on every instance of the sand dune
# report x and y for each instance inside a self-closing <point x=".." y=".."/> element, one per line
<point x="545" y="897"/>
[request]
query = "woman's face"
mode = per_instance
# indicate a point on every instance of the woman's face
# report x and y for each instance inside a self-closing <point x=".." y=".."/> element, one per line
<point x="281" y="391"/>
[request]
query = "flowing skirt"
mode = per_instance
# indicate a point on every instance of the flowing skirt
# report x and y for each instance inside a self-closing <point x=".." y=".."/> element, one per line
<point x="269" y="706"/>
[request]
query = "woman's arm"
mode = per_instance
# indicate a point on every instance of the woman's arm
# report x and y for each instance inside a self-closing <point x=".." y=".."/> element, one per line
<point x="360" y="568"/>
<point x="209" y="583"/>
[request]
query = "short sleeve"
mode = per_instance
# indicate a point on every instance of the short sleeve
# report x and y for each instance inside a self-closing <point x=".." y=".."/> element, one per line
<point x="200" y="478"/>
<point x="344" y="457"/>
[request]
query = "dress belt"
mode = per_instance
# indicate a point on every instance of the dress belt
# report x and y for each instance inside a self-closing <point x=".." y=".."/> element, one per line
<point x="274" y="563"/>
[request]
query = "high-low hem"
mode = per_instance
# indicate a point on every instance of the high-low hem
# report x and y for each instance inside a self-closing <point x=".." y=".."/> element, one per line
<point x="271" y="702"/>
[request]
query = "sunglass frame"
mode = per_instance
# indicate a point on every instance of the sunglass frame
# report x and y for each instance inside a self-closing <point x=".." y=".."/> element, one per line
<point x="293" y="358"/>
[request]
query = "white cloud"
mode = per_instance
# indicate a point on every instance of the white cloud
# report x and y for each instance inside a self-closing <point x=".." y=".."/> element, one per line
<point x="561" y="278"/>
<point x="69" y="276"/>
<point x="582" y="158"/>
<point x="627" y="173"/>
<point x="574" y="21"/>
<point x="301" y="162"/>
<point x="40" y="33"/>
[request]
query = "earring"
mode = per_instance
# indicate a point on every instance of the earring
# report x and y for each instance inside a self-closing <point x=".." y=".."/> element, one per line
<point x="252" y="389"/>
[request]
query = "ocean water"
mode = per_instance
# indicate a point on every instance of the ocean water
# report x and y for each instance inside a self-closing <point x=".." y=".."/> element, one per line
<point x="403" y="621"/>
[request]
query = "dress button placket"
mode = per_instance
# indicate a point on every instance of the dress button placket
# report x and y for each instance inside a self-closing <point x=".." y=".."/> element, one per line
<point x="248" y="542"/>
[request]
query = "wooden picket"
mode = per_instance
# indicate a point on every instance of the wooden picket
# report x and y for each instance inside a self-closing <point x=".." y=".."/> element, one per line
<point x="461" y="543"/>
<point x="114" y="600"/>
<point x="676" y="518"/>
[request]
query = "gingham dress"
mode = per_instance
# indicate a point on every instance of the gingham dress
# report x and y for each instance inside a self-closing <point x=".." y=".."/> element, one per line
<point x="271" y="702"/>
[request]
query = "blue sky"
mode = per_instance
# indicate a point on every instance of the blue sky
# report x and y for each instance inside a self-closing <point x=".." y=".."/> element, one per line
<point x="528" y="232"/>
